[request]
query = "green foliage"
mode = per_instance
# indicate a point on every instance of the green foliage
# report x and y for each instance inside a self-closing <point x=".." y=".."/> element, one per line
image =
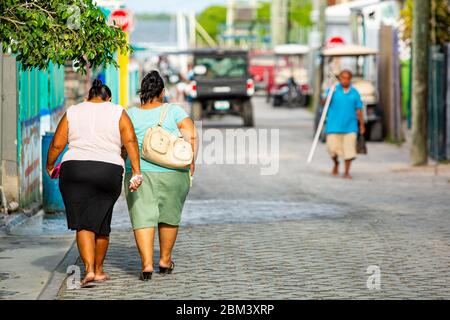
<point x="441" y="16"/>
<point x="212" y="18"/>
<point x="300" y="12"/>
<point x="263" y="14"/>
<point x="42" y="31"/>
<point x="215" y="16"/>
<point x="153" y="16"/>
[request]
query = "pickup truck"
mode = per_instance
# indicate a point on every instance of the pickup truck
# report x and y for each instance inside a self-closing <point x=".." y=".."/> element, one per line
<point x="222" y="85"/>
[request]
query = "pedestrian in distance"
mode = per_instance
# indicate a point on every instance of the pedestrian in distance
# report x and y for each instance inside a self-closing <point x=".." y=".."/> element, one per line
<point x="159" y="202"/>
<point x="344" y="121"/>
<point x="92" y="170"/>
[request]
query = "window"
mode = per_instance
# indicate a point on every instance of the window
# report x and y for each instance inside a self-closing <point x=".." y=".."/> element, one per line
<point x="222" y="67"/>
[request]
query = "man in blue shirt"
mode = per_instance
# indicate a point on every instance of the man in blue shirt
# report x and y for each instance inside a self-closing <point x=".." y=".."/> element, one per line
<point x="344" y="120"/>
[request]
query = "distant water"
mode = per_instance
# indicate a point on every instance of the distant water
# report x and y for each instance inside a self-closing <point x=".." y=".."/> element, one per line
<point x="163" y="32"/>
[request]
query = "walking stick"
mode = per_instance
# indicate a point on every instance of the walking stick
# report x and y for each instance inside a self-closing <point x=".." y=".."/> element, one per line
<point x="321" y="123"/>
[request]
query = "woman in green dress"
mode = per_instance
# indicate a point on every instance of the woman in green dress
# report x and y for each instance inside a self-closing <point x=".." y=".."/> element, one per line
<point x="159" y="201"/>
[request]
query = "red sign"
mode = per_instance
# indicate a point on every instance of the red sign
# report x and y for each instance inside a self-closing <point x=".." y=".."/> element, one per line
<point x="122" y="18"/>
<point x="334" y="42"/>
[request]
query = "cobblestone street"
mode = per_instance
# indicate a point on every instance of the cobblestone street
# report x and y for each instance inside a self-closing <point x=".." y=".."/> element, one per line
<point x="300" y="234"/>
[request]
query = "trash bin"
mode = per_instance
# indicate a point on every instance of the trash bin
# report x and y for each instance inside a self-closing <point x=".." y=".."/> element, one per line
<point x="52" y="199"/>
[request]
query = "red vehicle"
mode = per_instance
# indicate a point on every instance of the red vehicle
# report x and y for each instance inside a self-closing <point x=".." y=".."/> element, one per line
<point x="262" y="70"/>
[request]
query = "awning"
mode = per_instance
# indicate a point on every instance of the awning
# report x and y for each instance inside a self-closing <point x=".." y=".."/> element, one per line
<point x="291" y="49"/>
<point x="349" y="51"/>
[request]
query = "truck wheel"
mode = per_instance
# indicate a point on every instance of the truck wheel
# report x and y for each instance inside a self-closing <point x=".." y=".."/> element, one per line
<point x="376" y="131"/>
<point x="196" y="111"/>
<point x="247" y="113"/>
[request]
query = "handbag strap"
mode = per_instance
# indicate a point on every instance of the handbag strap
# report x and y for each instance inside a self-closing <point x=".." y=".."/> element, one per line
<point x="164" y="110"/>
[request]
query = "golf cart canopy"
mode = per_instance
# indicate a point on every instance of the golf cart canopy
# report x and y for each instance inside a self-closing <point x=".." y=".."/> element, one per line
<point x="291" y="49"/>
<point x="349" y="51"/>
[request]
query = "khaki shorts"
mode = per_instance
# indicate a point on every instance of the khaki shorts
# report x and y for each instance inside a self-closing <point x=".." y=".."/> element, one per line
<point x="342" y="145"/>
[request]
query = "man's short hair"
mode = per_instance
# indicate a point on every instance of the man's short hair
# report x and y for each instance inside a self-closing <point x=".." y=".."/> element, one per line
<point x="348" y="72"/>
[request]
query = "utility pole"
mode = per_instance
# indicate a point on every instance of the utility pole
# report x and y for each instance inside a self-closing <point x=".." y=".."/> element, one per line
<point x="279" y="21"/>
<point x="322" y="28"/>
<point x="289" y="21"/>
<point x="231" y="10"/>
<point x="420" y="44"/>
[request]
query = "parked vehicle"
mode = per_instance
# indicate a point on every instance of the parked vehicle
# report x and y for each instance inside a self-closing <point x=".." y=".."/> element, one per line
<point x="291" y="84"/>
<point x="222" y="85"/>
<point x="262" y="68"/>
<point x="353" y="57"/>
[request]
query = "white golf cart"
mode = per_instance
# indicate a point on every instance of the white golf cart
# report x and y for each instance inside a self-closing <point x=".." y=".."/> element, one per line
<point x="291" y="84"/>
<point x="357" y="59"/>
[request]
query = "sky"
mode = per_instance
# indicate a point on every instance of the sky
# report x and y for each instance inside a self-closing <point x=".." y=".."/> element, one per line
<point x="171" y="6"/>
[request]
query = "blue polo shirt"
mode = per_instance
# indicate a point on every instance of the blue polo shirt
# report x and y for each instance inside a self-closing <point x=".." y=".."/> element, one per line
<point x="342" y="117"/>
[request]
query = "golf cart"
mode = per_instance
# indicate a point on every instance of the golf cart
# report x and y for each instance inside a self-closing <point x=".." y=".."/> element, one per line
<point x="356" y="58"/>
<point x="291" y="84"/>
<point x="262" y="67"/>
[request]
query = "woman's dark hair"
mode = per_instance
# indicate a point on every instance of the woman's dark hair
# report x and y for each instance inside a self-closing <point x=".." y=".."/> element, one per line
<point x="151" y="87"/>
<point x="99" y="90"/>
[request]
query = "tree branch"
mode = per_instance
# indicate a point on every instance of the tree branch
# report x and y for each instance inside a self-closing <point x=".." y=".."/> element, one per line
<point x="16" y="23"/>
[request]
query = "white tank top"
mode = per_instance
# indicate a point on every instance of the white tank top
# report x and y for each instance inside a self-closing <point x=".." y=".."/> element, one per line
<point x="94" y="132"/>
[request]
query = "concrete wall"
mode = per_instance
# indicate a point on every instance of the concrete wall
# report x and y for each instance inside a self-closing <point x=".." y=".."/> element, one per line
<point x="8" y="128"/>
<point x="30" y="161"/>
<point x="76" y="86"/>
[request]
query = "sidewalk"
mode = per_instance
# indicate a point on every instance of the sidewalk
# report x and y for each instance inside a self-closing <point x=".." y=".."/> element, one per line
<point x="28" y="263"/>
<point x="299" y="234"/>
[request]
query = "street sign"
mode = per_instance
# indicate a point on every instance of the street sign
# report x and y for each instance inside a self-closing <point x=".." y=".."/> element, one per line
<point x="122" y="18"/>
<point x="334" y="42"/>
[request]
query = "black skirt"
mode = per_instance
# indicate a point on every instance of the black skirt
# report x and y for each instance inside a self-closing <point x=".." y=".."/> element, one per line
<point x="89" y="190"/>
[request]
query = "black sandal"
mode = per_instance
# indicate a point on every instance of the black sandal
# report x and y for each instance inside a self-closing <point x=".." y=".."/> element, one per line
<point x="168" y="270"/>
<point x="146" y="276"/>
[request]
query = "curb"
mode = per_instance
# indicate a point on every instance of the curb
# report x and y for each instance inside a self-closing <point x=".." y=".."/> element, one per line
<point x="56" y="279"/>
<point x="22" y="217"/>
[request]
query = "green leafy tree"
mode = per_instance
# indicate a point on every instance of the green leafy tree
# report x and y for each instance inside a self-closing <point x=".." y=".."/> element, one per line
<point x="263" y="13"/>
<point x="212" y="18"/>
<point x="215" y="16"/>
<point x="440" y="21"/>
<point x="300" y="12"/>
<point x="42" y="31"/>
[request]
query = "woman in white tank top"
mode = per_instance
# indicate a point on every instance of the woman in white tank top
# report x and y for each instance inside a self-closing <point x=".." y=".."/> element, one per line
<point x="92" y="171"/>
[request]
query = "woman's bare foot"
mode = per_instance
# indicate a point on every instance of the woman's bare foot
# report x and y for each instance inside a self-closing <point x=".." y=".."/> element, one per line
<point x="347" y="176"/>
<point x="335" y="171"/>
<point x="90" y="276"/>
<point x="101" y="277"/>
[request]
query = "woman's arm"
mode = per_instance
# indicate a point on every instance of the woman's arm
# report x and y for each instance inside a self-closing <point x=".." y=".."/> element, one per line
<point x="123" y="153"/>
<point x="189" y="132"/>
<point x="58" y="143"/>
<point x="130" y="143"/>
